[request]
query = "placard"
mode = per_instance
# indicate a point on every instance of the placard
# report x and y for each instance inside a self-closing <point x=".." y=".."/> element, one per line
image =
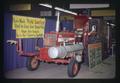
<point x="28" y="27"/>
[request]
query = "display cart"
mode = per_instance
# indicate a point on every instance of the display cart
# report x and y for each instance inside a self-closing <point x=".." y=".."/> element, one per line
<point x="59" y="48"/>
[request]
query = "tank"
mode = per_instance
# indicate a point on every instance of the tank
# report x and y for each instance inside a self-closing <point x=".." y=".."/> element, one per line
<point x="62" y="51"/>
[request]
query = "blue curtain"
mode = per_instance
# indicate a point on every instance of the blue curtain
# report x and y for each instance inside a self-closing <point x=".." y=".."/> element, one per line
<point x="67" y="24"/>
<point x="11" y="59"/>
<point x="50" y="24"/>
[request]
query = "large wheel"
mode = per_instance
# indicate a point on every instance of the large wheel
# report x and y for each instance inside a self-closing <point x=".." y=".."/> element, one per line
<point x="32" y="63"/>
<point x="73" y="68"/>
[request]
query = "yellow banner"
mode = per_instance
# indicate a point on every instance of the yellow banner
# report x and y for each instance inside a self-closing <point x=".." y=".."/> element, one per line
<point x="28" y="27"/>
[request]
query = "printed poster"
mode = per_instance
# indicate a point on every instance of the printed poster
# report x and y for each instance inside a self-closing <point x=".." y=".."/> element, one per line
<point x="28" y="27"/>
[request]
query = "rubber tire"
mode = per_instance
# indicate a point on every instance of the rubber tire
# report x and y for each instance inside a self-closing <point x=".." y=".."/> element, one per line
<point x="29" y="65"/>
<point x="70" y="68"/>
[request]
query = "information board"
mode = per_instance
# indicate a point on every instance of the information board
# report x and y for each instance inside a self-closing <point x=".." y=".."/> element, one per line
<point x="28" y="27"/>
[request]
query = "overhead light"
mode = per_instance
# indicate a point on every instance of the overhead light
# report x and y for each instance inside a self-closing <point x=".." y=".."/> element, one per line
<point x="59" y="9"/>
<point x="90" y="18"/>
<point x="63" y="10"/>
<point x="80" y="6"/>
<point x="46" y="5"/>
<point x="110" y="24"/>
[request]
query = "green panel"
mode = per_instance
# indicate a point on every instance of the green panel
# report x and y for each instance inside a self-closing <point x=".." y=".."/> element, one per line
<point x="94" y="55"/>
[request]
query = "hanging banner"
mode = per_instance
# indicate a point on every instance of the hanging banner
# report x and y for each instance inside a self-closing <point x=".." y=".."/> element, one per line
<point x="28" y="27"/>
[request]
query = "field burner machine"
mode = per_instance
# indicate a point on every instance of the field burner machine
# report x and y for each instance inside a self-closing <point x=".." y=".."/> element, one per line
<point x="59" y="48"/>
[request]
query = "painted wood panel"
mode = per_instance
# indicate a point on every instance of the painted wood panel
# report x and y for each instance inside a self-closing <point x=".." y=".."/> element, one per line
<point x="102" y="12"/>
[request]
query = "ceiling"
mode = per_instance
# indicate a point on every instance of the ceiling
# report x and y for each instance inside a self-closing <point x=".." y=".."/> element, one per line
<point x="65" y="4"/>
<point x="59" y="3"/>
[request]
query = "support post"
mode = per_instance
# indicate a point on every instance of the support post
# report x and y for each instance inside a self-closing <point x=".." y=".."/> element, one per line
<point x="58" y="21"/>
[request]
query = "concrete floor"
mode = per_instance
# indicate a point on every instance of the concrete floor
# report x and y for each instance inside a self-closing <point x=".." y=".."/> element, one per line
<point x="105" y="70"/>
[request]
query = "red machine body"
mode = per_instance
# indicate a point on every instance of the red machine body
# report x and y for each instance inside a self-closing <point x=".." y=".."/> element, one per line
<point x="55" y="39"/>
<point x="63" y="39"/>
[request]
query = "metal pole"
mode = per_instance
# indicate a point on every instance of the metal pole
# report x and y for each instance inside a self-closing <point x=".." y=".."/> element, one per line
<point x="58" y="21"/>
<point x="20" y="46"/>
<point x="108" y="35"/>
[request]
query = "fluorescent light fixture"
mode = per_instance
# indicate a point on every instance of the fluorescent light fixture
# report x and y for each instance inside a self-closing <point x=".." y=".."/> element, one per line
<point x="80" y="6"/>
<point x="107" y="22"/>
<point x="63" y="10"/>
<point x="90" y="18"/>
<point x="46" y="5"/>
<point x="59" y="9"/>
<point x="110" y="24"/>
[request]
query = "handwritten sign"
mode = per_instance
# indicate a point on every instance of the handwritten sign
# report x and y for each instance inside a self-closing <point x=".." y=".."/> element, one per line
<point x="28" y="27"/>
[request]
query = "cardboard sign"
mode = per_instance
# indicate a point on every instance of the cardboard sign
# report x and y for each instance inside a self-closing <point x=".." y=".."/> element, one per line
<point x="28" y="27"/>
